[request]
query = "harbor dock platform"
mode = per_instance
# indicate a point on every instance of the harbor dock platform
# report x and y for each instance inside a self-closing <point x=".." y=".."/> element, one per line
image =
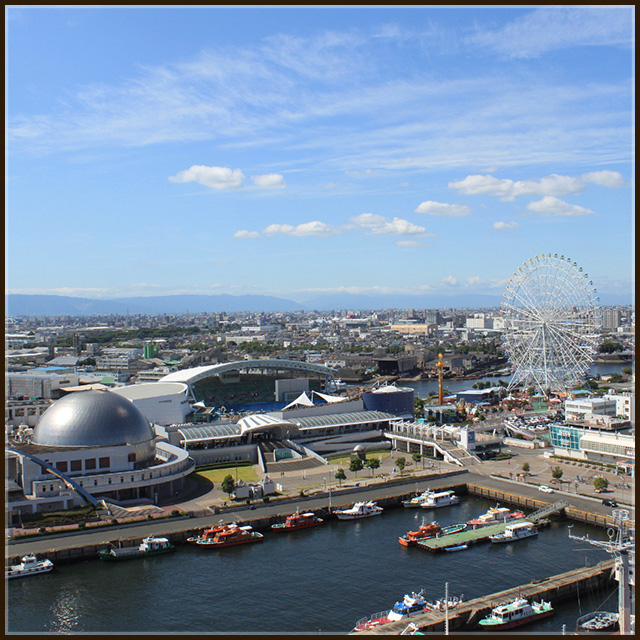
<point x="480" y="534"/>
<point x="465" y="616"/>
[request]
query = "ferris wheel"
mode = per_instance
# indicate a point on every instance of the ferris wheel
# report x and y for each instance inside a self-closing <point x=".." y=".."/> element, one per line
<point x="551" y="323"/>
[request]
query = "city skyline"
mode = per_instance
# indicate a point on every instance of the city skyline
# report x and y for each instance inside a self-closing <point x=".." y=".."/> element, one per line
<point x="295" y="151"/>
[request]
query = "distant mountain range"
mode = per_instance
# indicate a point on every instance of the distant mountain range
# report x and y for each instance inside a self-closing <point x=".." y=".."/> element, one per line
<point x="46" y="305"/>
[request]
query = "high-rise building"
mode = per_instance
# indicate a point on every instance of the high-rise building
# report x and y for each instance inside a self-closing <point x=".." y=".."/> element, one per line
<point x="611" y="318"/>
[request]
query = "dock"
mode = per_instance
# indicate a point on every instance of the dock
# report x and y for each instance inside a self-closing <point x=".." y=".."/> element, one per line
<point x="480" y="534"/>
<point x="466" y="615"/>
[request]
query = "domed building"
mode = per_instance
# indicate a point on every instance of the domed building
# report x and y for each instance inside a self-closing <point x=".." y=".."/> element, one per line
<point x="99" y="441"/>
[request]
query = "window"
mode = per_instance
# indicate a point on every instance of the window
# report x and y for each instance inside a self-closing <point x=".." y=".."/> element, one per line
<point x="104" y="463"/>
<point x="76" y="465"/>
<point x="61" y="466"/>
<point x="90" y="463"/>
<point x="131" y="457"/>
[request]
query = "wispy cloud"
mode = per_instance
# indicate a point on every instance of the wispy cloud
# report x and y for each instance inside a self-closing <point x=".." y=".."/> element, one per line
<point x="500" y="225"/>
<point x="552" y="206"/>
<point x="269" y="181"/>
<point x="551" y="28"/>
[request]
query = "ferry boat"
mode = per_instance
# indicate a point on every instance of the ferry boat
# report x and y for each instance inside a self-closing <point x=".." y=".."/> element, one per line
<point x="426" y="531"/>
<point x="150" y="546"/>
<point x="297" y="521"/>
<point x="411" y="605"/>
<point x="515" y="531"/>
<point x="514" y="614"/>
<point x="359" y="510"/>
<point x="229" y="535"/>
<point x="494" y="516"/>
<point x="440" y="499"/>
<point x="28" y="566"/>
<point x="598" y="622"/>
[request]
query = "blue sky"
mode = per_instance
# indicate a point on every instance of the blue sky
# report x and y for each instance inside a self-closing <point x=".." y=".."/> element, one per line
<point x="295" y="151"/>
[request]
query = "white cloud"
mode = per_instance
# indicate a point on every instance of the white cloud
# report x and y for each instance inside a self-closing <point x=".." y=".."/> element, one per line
<point x="314" y="228"/>
<point x="611" y="179"/>
<point x="552" y="185"/>
<point x="551" y="206"/>
<point x="408" y="243"/>
<point x="452" y="280"/>
<point x="378" y="224"/>
<point x="269" y="181"/>
<point x="443" y="209"/>
<point x="505" y="225"/>
<point x="212" y="177"/>
<point x="242" y="233"/>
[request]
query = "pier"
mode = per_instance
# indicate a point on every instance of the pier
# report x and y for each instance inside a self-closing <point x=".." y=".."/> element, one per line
<point x="465" y="616"/>
<point x="480" y="534"/>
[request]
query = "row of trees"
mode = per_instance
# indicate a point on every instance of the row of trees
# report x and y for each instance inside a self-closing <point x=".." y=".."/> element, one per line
<point x="599" y="483"/>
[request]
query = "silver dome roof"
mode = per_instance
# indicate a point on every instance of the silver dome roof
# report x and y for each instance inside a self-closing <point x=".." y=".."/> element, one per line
<point x="92" y="419"/>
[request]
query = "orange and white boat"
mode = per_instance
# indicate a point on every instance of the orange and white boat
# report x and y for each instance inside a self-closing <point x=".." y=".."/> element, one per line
<point x="229" y="535"/>
<point x="426" y="531"/>
<point x="297" y="521"/>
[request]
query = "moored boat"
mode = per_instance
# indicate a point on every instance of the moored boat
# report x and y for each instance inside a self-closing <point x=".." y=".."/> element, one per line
<point x="416" y="501"/>
<point x="359" y="510"/>
<point x="440" y="499"/>
<point x="229" y="535"/>
<point x="150" y="546"/>
<point x="411" y="605"/>
<point x="495" y="515"/>
<point x="28" y="566"/>
<point x="209" y="533"/>
<point x="297" y="521"/>
<point x="598" y="622"/>
<point x="515" y="531"/>
<point x="426" y="531"/>
<point x="515" y="613"/>
<point x="457" y="547"/>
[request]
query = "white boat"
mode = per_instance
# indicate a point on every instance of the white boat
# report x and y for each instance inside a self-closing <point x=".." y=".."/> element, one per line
<point x="29" y="566"/>
<point x="417" y="500"/>
<point x="412" y="604"/>
<point x="515" y="531"/>
<point x="359" y="510"/>
<point x="440" y="499"/>
<point x="598" y="622"/>
<point x="150" y="546"/>
<point x="513" y="614"/>
<point x="496" y="515"/>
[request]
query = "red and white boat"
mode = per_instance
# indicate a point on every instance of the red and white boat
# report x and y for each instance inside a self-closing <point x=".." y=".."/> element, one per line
<point x="426" y="531"/>
<point x="297" y="521"/>
<point x="494" y="516"/>
<point x="229" y="535"/>
<point x="412" y="604"/>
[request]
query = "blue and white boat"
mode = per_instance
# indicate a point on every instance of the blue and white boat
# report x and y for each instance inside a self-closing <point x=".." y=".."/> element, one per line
<point x="412" y="604"/>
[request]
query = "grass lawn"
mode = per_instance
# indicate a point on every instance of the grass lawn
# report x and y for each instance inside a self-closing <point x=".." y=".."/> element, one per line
<point x="246" y="473"/>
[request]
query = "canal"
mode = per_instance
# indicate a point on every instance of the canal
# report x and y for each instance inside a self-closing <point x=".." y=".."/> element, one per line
<point x="316" y="581"/>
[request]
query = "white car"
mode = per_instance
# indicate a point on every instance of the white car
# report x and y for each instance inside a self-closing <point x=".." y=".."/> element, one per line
<point x="543" y="487"/>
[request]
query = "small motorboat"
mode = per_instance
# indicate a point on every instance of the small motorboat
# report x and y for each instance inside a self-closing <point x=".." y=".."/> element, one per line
<point x="28" y="566"/>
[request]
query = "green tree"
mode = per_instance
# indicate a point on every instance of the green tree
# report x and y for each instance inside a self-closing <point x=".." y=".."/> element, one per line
<point x="600" y="483"/>
<point x="373" y="464"/>
<point x="340" y="476"/>
<point x="627" y="371"/>
<point x="401" y="463"/>
<point x="526" y="467"/>
<point x="228" y="485"/>
<point x="418" y="404"/>
<point x="416" y="457"/>
<point x="355" y="465"/>
<point x="556" y="473"/>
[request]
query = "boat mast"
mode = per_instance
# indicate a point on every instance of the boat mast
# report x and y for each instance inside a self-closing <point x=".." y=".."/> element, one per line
<point x="621" y="542"/>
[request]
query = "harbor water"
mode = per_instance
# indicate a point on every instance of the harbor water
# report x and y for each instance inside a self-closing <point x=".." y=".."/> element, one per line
<point x="316" y="581"/>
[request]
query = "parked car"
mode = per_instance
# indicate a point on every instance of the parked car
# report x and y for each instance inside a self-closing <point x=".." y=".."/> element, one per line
<point x="543" y="487"/>
<point x="609" y="503"/>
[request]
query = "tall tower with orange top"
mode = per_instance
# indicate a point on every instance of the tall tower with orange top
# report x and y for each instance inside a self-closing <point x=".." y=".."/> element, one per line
<point x="439" y="365"/>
